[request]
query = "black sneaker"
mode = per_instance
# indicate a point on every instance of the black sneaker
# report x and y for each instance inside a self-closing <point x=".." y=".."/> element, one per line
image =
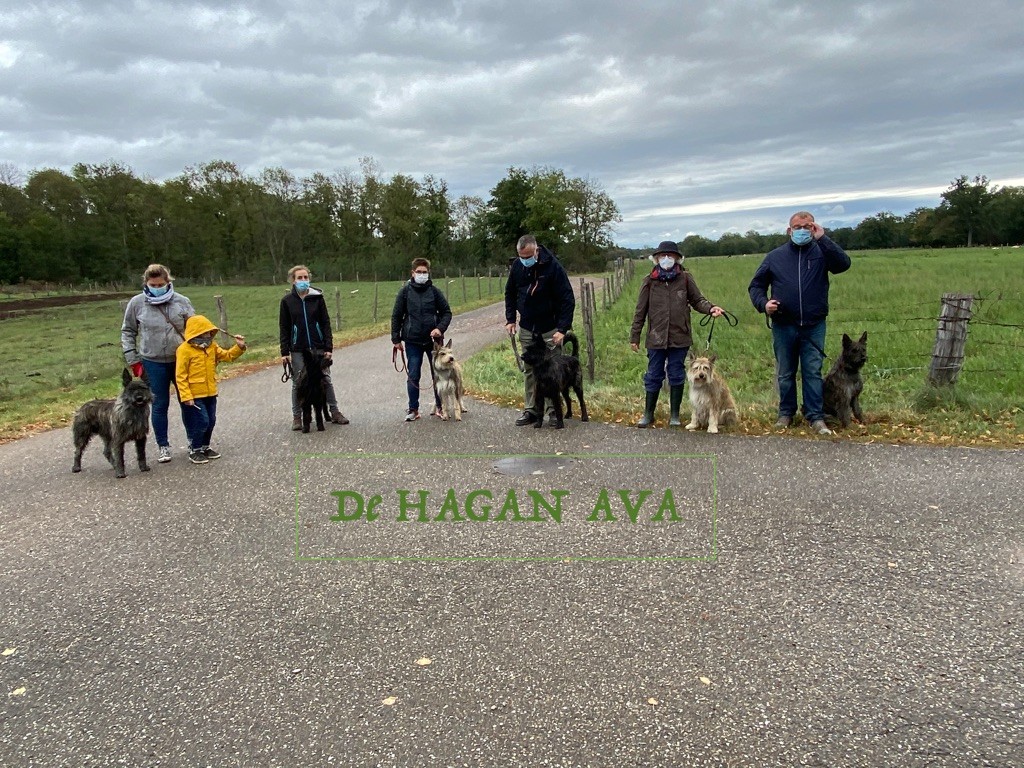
<point x="198" y="457"/>
<point x="528" y="417"/>
<point x="211" y="453"/>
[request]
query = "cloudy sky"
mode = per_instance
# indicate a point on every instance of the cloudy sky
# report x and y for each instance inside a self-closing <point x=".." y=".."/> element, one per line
<point x="696" y="117"/>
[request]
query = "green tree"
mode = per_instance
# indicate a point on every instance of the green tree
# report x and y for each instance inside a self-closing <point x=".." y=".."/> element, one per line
<point x="966" y="204"/>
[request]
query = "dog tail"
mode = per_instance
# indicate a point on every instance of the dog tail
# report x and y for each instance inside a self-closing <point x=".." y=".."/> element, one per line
<point x="570" y="338"/>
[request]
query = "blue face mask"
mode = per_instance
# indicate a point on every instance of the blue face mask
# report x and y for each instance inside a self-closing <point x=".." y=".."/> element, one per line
<point x="301" y="285"/>
<point x="157" y="291"/>
<point x="801" y="236"/>
<point x="528" y="262"/>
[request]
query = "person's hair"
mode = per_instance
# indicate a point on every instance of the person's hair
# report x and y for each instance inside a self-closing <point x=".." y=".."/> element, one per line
<point x="525" y="241"/>
<point x="156" y="270"/>
<point x="297" y="268"/>
<point x="420" y="262"/>
<point x="801" y="215"/>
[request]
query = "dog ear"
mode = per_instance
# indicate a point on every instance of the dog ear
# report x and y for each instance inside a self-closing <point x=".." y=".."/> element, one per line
<point x="863" y="338"/>
<point x="712" y="359"/>
<point x="126" y="377"/>
<point x="449" y="344"/>
<point x="847" y="341"/>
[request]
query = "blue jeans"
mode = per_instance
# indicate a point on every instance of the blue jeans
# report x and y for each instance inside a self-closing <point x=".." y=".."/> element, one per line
<point x="799" y="345"/>
<point x="161" y="379"/>
<point x="200" y="419"/>
<point x="414" y="354"/>
<point x="658" y="360"/>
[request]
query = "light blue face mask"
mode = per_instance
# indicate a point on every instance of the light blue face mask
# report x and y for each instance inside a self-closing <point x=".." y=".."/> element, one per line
<point x="158" y="291"/>
<point x="301" y="285"/>
<point x="801" y="236"/>
<point x="528" y="262"/>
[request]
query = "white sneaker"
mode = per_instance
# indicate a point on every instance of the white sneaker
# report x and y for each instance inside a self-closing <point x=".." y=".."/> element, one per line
<point x="165" y="454"/>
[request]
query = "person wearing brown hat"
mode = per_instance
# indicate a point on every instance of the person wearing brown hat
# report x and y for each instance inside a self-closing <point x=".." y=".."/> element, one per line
<point x="666" y="296"/>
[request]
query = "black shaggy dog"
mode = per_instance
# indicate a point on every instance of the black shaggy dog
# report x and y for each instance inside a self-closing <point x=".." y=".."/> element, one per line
<point x="553" y="375"/>
<point x="311" y="388"/>
<point x="116" y="422"/>
<point x="843" y="383"/>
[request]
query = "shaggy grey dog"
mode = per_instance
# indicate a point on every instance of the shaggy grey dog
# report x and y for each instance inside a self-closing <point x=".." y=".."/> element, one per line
<point x="116" y="422"/>
<point x="843" y="384"/>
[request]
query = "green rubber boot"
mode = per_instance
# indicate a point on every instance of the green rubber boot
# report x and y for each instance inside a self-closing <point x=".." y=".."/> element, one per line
<point x="675" y="397"/>
<point x="649" y="405"/>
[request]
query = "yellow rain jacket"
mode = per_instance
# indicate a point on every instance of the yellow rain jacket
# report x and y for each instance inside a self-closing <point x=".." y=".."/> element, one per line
<point x="195" y="373"/>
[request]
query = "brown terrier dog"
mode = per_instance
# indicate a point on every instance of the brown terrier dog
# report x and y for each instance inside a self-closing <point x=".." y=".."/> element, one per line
<point x="710" y="398"/>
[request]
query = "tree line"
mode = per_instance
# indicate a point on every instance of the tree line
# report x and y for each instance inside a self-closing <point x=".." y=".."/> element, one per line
<point x="972" y="212"/>
<point x="103" y="223"/>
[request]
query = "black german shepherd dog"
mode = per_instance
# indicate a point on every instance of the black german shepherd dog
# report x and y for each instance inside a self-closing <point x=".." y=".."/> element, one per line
<point x="116" y="422"/>
<point x="553" y="376"/>
<point x="311" y="389"/>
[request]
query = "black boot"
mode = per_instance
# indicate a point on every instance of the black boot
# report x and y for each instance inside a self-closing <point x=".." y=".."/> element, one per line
<point x="675" y="397"/>
<point x="649" y="404"/>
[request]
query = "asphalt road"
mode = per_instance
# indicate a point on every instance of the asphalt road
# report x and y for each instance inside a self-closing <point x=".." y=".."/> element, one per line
<point x="801" y="602"/>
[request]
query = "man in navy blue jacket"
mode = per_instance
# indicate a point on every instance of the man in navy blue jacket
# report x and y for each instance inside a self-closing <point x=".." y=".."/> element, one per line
<point x="538" y="289"/>
<point x="797" y="273"/>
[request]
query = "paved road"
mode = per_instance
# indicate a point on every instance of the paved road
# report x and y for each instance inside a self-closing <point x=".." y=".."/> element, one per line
<point x="843" y="605"/>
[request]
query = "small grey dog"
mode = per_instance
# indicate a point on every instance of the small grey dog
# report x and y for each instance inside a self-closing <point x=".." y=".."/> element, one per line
<point x="117" y="422"/>
<point x="449" y="381"/>
<point x="843" y="383"/>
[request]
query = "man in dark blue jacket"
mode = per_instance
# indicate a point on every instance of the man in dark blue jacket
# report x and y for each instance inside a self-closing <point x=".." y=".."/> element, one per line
<point x="539" y="290"/>
<point x="797" y="273"/>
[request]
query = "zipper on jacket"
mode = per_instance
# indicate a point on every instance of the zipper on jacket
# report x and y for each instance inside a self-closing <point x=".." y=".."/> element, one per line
<point x="305" y="323"/>
<point x="800" y="282"/>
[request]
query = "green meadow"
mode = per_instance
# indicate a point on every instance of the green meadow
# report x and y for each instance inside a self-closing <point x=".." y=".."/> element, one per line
<point x="893" y="295"/>
<point x="57" y="358"/>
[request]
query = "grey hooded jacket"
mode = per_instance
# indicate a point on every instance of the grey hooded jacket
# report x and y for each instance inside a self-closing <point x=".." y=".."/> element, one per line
<point x="154" y="331"/>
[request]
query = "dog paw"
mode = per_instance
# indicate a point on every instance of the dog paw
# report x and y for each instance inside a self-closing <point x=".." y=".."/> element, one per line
<point x="584" y="418"/>
<point x="120" y="475"/>
<point x="713" y="430"/>
<point x="691" y="427"/>
<point x="143" y="467"/>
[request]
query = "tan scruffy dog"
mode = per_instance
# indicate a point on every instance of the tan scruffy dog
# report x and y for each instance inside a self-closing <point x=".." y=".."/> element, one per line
<point x="710" y="398"/>
<point x="449" y="382"/>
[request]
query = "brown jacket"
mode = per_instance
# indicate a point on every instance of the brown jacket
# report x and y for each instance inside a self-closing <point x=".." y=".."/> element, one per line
<point x="666" y="308"/>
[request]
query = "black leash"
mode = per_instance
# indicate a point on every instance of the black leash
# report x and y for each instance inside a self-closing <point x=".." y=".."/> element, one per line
<point x="730" y="318"/>
<point x="287" y="372"/>
<point x="768" y="322"/>
<point x="515" y="351"/>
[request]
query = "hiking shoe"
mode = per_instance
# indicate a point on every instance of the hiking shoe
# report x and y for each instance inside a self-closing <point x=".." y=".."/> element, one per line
<point x="820" y="427"/>
<point x="198" y="457"/>
<point x="296" y="423"/>
<point x="165" y="454"/>
<point x="784" y="422"/>
<point x="338" y="417"/>
<point x="412" y="415"/>
<point x="211" y="453"/>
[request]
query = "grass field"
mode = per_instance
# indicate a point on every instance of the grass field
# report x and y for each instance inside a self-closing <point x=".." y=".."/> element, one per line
<point x="57" y="358"/>
<point x="894" y="295"/>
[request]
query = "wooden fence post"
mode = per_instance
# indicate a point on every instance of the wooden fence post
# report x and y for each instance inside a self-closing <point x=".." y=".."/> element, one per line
<point x="222" y="313"/>
<point x="376" y="288"/>
<point x="337" y="308"/>
<point x="462" y="276"/>
<point x="950" y="338"/>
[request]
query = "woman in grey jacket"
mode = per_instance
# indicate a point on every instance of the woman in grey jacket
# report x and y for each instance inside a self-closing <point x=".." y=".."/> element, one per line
<point x="153" y="327"/>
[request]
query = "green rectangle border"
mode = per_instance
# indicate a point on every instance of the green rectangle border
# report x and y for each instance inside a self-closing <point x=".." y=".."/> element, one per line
<point x="712" y="558"/>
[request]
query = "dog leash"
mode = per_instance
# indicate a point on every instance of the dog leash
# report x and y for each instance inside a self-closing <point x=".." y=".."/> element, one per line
<point x="287" y="372"/>
<point x="515" y="351"/>
<point x="768" y="322"/>
<point x="395" y="352"/>
<point x="730" y="318"/>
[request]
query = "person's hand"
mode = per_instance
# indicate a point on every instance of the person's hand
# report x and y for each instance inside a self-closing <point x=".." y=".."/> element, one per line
<point x="817" y="230"/>
<point x="635" y="347"/>
<point x="717" y="311"/>
<point x="188" y="403"/>
<point x="558" y="337"/>
<point x="436" y="334"/>
<point x="771" y="306"/>
<point x="398" y="346"/>
<point x="286" y="358"/>
<point x="136" y="369"/>
<point x="328" y="355"/>
<point x="510" y="328"/>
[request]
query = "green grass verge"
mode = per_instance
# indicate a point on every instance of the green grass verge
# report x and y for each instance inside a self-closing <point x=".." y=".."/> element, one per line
<point x="894" y="295"/>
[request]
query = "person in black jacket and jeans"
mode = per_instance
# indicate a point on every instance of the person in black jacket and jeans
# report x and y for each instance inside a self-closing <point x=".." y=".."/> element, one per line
<point x="538" y="289"/>
<point x="305" y="325"/>
<point x="420" y="318"/>
<point x="797" y="273"/>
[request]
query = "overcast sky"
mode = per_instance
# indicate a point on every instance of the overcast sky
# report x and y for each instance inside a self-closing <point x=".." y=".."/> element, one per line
<point x="696" y="117"/>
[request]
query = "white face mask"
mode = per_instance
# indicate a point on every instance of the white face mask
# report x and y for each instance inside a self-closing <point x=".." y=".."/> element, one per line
<point x="420" y="277"/>
<point x="666" y="262"/>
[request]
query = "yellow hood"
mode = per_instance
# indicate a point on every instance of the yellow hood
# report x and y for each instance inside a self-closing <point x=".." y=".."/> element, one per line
<point x="197" y="325"/>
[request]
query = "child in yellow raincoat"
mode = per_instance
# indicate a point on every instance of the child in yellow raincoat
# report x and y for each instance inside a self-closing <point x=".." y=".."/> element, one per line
<point x="196" y="380"/>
